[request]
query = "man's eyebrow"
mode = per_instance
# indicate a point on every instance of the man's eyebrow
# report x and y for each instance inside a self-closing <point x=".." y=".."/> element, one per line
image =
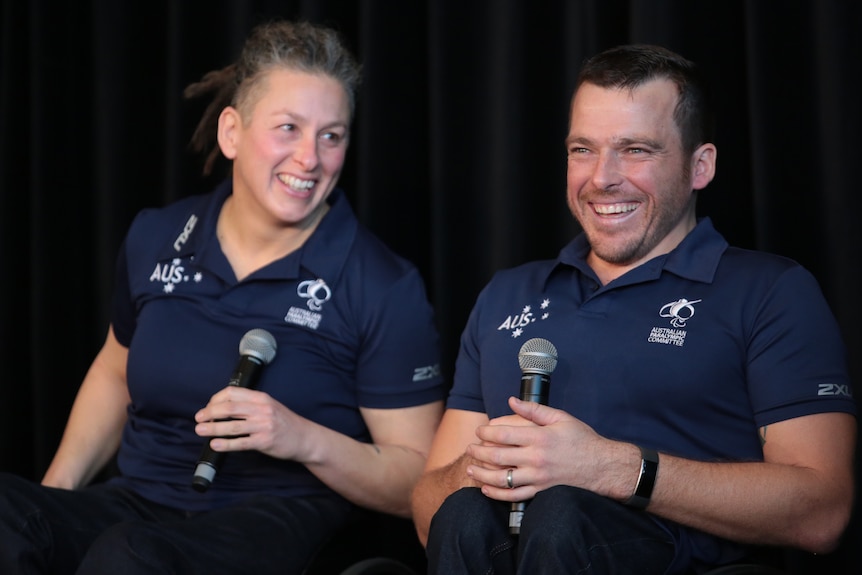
<point x="618" y="142"/>
<point x="649" y="142"/>
<point x="577" y="140"/>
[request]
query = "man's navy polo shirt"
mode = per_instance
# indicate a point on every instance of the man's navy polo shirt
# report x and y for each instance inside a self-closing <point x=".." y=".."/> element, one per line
<point x="689" y="353"/>
<point x="351" y="320"/>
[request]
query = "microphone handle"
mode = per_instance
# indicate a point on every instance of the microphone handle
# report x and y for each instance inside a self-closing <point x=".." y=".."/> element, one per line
<point x="246" y="374"/>
<point x="534" y="387"/>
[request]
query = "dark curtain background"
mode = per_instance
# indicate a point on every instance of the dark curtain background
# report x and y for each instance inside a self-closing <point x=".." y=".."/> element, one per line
<point x="457" y="159"/>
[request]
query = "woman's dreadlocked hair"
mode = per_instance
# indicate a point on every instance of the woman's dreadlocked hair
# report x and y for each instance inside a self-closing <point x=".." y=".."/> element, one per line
<point x="293" y="45"/>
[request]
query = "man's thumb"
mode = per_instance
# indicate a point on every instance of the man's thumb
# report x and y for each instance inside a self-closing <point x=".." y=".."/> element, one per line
<point x="535" y="412"/>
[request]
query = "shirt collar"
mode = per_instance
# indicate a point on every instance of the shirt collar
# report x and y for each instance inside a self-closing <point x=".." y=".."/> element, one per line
<point x="695" y="258"/>
<point x="323" y="254"/>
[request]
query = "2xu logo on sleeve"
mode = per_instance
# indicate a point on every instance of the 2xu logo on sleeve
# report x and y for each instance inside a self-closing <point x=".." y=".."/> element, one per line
<point x="834" y="389"/>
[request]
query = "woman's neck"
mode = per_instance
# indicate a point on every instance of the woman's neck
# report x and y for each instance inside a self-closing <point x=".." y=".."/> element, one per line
<point x="250" y="244"/>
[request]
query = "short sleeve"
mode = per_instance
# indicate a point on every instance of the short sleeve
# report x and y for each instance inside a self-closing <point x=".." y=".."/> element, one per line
<point x="796" y="356"/>
<point x="399" y="364"/>
<point x="123" y="316"/>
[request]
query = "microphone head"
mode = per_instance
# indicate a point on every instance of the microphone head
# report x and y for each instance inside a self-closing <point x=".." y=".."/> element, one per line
<point x="538" y="355"/>
<point x="258" y="343"/>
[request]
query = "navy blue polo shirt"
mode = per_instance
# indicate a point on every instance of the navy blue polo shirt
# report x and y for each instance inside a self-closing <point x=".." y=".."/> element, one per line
<point x="351" y="320"/>
<point x="689" y="353"/>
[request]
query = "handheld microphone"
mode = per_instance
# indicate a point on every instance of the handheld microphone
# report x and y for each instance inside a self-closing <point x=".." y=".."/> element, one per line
<point x="538" y="359"/>
<point x="256" y="349"/>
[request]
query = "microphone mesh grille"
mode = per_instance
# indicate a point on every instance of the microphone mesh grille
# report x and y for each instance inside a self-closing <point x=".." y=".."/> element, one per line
<point x="258" y="343"/>
<point x="538" y="354"/>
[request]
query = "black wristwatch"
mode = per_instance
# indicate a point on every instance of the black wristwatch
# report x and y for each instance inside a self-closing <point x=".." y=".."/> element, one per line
<point x="646" y="479"/>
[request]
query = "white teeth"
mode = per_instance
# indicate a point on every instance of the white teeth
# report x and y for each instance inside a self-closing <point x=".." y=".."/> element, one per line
<point x="296" y="183"/>
<point x="614" y="208"/>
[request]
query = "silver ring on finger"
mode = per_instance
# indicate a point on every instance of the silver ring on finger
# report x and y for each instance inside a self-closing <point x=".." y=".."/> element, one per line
<point x="510" y="482"/>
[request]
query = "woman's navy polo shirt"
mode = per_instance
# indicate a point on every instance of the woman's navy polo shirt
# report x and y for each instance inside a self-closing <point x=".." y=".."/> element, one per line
<point x="351" y="320"/>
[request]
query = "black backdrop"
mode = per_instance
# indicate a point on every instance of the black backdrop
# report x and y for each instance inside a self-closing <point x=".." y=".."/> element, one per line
<point x="457" y="159"/>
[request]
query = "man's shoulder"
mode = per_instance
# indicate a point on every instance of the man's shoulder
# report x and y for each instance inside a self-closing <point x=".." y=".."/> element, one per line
<point x="759" y="257"/>
<point x="740" y="262"/>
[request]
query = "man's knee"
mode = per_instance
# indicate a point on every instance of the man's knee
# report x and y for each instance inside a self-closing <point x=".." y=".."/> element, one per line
<point x="558" y="511"/>
<point x="469" y="534"/>
<point x="461" y="507"/>
<point x="465" y="499"/>
<point x="578" y="527"/>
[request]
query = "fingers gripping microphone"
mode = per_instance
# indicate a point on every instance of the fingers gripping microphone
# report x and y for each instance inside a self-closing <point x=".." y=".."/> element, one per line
<point x="538" y="359"/>
<point x="256" y="349"/>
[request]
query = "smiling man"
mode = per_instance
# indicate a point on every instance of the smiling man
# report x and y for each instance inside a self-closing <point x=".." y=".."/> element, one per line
<point x="674" y="354"/>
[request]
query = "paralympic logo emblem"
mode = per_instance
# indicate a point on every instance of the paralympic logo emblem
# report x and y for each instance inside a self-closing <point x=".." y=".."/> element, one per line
<point x="680" y="311"/>
<point x="316" y="292"/>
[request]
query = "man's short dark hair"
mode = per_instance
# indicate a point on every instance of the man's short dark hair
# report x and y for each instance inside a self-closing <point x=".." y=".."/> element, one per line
<point x="630" y="66"/>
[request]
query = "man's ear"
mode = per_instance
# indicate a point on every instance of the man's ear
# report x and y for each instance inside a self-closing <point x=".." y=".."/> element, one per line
<point x="229" y="124"/>
<point x="703" y="166"/>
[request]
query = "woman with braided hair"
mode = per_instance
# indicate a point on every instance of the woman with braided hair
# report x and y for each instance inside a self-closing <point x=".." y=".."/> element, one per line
<point x="342" y="411"/>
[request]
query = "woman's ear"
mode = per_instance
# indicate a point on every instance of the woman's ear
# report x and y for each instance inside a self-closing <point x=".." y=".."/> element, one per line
<point x="703" y="166"/>
<point x="229" y="124"/>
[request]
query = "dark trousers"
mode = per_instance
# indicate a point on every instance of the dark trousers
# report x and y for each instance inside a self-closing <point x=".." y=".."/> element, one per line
<point x="103" y="529"/>
<point x="564" y="530"/>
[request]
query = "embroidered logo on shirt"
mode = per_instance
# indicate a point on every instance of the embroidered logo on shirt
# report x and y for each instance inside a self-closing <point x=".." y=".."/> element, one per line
<point x="171" y="274"/>
<point x="834" y="389"/>
<point x="303" y="317"/>
<point x="427" y="372"/>
<point x="317" y="293"/>
<point x="187" y="231"/>
<point x="679" y="312"/>
<point x="518" y="322"/>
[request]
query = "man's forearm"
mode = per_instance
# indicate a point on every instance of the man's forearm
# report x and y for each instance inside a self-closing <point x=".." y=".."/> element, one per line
<point x="754" y="502"/>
